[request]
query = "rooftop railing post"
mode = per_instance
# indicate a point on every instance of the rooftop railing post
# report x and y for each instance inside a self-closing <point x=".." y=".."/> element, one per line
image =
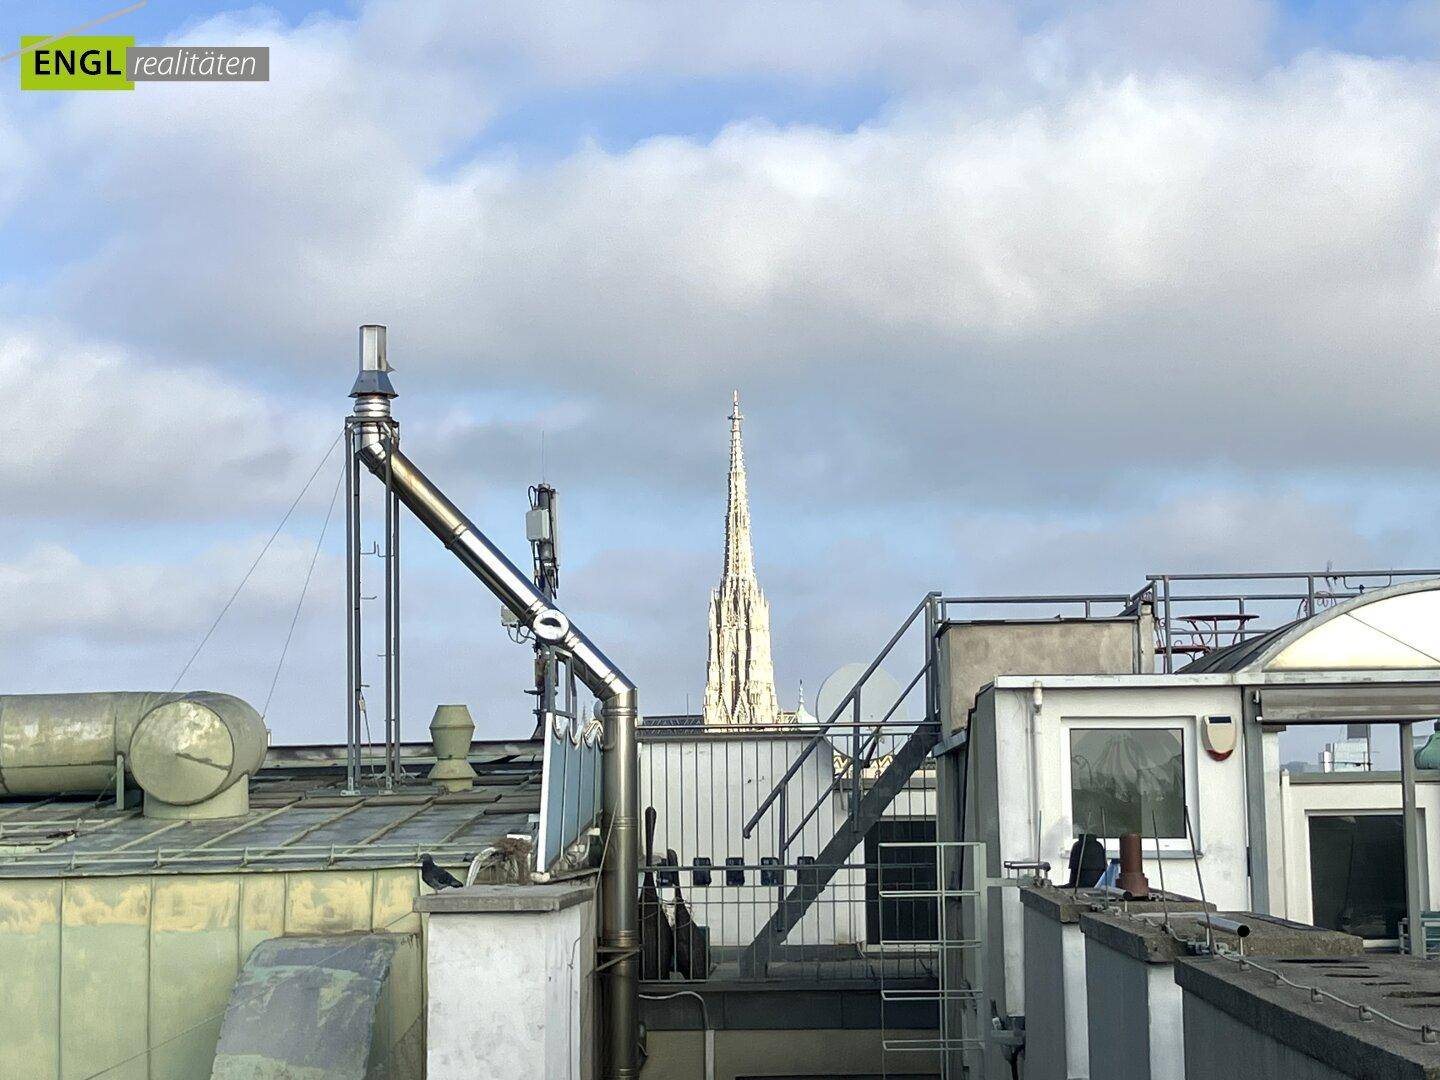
<point x="1169" y="642"/>
<point x="1410" y="815"/>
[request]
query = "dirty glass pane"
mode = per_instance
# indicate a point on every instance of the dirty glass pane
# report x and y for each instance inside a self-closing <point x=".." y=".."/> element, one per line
<point x="1357" y="873"/>
<point x="1128" y="780"/>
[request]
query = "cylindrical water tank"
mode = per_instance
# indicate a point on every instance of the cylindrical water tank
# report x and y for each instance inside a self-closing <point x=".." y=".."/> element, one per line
<point x="182" y="748"/>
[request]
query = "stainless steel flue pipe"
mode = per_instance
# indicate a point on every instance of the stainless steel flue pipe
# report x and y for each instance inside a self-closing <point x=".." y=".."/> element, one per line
<point x="620" y="872"/>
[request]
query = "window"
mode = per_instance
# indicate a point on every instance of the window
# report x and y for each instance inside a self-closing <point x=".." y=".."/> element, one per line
<point x="900" y="868"/>
<point x="1357" y="873"/>
<point x="1126" y="780"/>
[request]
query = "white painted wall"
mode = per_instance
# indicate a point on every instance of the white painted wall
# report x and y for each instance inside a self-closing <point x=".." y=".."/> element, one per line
<point x="705" y="788"/>
<point x="1036" y="785"/>
<point x="510" y="994"/>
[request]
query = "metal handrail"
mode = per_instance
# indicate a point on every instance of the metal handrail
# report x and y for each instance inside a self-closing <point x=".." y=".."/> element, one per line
<point x="1332" y="584"/>
<point x="852" y="697"/>
<point x="856" y="759"/>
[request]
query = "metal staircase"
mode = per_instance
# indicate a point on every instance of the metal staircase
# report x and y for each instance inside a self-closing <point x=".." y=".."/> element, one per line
<point x="867" y="797"/>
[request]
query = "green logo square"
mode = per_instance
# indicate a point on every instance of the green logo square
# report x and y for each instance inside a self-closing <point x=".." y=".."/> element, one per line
<point x="74" y="63"/>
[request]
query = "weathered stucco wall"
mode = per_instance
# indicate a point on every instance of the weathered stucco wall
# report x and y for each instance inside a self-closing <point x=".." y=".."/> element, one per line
<point x="975" y="654"/>
<point x="132" y="974"/>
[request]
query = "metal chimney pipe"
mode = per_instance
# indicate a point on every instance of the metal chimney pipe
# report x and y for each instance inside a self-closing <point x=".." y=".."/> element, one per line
<point x="620" y="873"/>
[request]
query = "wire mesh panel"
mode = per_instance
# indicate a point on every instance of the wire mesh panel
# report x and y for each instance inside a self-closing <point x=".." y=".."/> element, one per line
<point x="937" y="885"/>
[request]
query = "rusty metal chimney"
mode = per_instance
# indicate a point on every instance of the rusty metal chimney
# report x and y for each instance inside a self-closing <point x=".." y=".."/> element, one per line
<point x="1132" y="867"/>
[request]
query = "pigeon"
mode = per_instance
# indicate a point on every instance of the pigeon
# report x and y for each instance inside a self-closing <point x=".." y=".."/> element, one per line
<point x="436" y="877"/>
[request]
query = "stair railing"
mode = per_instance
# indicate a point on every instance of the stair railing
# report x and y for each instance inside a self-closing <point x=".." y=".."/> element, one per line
<point x="851" y="701"/>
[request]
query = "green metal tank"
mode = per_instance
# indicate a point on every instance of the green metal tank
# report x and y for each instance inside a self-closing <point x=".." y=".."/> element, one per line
<point x="189" y="752"/>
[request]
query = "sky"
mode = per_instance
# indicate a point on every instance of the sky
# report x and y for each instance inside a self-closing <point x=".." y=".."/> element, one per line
<point x="1018" y="298"/>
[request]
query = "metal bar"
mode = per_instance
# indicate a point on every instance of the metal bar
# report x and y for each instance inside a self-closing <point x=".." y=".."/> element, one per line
<point x="1169" y="642"/>
<point x="1296" y="575"/>
<point x="319" y="825"/>
<point x="854" y="694"/>
<point x="250" y="823"/>
<point x="1414" y="894"/>
<point x="352" y="613"/>
<point x="390" y="615"/>
<point x="392" y="826"/>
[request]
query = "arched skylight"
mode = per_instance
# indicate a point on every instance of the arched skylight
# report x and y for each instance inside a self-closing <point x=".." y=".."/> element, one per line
<point x="1392" y="630"/>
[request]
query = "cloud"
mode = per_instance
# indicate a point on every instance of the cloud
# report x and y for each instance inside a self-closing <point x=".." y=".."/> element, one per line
<point x="1097" y="290"/>
<point x="1026" y="274"/>
<point x="95" y="431"/>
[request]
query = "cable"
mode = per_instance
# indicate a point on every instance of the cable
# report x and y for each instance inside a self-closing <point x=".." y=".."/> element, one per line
<point x="256" y="563"/>
<point x="705" y="1019"/>
<point x="303" y="589"/>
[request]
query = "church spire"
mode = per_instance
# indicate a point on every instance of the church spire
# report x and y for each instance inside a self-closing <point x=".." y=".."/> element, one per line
<point x="739" y="554"/>
<point x="740" y="678"/>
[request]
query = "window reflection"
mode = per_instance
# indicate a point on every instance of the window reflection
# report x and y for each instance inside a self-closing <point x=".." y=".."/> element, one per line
<point x="1128" y="780"/>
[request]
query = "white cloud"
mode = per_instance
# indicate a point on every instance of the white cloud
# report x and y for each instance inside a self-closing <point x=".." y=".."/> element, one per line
<point x="95" y="431"/>
<point x="1070" y="264"/>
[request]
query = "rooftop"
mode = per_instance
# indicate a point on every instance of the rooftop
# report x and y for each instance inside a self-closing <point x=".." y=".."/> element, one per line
<point x="299" y="819"/>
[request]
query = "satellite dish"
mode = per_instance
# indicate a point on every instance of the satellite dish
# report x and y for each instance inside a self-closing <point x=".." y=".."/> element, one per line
<point x="876" y="696"/>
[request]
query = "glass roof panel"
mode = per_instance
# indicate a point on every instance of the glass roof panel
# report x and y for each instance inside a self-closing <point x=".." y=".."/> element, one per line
<point x="1393" y="633"/>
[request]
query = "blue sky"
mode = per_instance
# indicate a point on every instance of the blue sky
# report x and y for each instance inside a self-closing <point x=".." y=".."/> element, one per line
<point x="1017" y="298"/>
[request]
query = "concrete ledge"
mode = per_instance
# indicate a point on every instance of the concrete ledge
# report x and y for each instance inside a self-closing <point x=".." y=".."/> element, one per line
<point x="1067" y="905"/>
<point x="1146" y="939"/>
<point x="504" y="899"/>
<point x="1326" y="1031"/>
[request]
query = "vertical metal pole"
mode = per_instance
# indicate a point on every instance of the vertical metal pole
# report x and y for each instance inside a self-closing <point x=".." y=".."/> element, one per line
<point x="390" y="612"/>
<point x="352" y="612"/>
<point x="619" y="889"/>
<point x="395" y="605"/>
<point x="1309" y="595"/>
<point x="1169" y="644"/>
<point x="1414" y="895"/>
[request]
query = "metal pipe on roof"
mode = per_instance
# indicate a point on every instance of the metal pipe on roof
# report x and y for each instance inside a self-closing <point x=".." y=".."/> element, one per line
<point x="185" y="750"/>
<point x="1410" y="815"/>
<point x="619" y="912"/>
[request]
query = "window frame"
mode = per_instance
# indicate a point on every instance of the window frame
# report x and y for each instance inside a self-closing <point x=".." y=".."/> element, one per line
<point x="1186" y="728"/>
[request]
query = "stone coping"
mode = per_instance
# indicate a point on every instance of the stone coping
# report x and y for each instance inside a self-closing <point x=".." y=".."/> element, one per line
<point x="1147" y="940"/>
<point x="1327" y="1031"/>
<point x="505" y="899"/>
<point x="1067" y="905"/>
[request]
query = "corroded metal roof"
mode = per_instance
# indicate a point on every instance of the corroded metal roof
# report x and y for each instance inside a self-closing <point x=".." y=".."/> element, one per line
<point x="299" y="819"/>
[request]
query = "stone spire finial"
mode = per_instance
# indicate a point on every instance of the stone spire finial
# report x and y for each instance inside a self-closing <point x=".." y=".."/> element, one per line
<point x="740" y="679"/>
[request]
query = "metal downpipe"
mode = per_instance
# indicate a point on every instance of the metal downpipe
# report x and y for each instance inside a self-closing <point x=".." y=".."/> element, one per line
<point x="619" y="903"/>
<point x="620" y="767"/>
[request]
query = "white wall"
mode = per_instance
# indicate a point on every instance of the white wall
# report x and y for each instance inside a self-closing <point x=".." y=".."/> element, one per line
<point x="510" y="994"/>
<point x="1028" y="787"/>
<point x="705" y="789"/>
<point x="1300" y="801"/>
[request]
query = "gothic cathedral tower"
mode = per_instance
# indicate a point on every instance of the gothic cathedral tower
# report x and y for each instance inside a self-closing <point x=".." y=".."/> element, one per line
<point x="739" y="678"/>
